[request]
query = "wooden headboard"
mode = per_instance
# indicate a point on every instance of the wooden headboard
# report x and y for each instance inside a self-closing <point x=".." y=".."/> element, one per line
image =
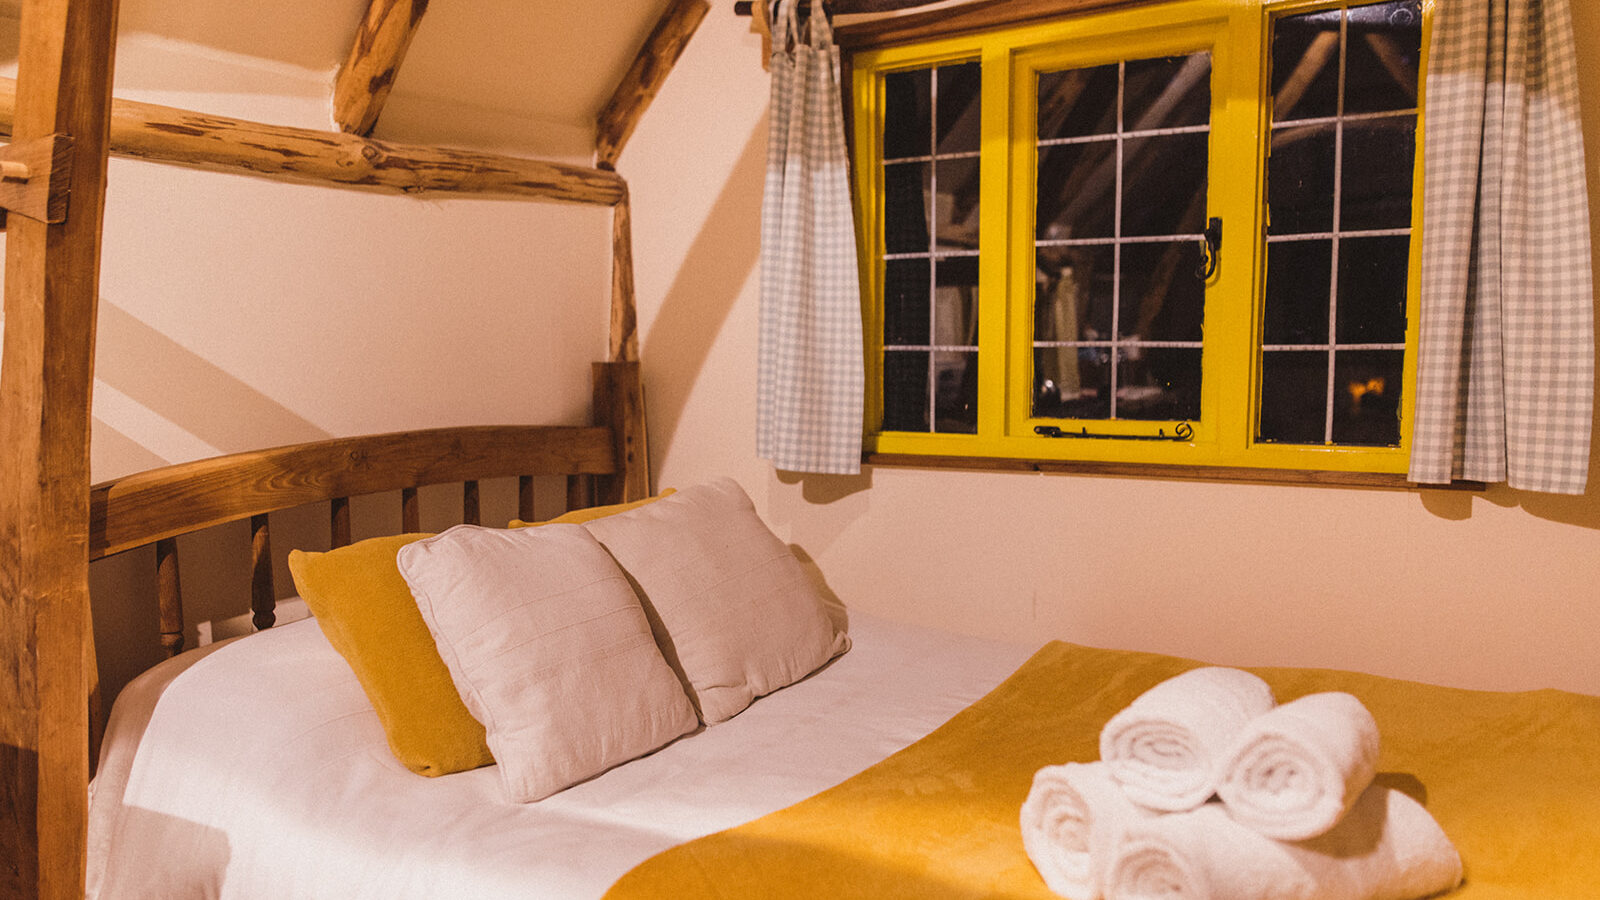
<point x="605" y="463"/>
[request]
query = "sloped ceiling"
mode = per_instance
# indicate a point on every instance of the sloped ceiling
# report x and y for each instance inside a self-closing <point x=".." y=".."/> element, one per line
<point x="523" y="67"/>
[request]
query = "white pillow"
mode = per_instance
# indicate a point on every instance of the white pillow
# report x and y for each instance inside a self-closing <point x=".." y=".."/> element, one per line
<point x="550" y="649"/>
<point x="734" y="612"/>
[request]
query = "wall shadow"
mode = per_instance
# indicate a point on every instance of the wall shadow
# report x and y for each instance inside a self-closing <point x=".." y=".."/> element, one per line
<point x="709" y="281"/>
<point x="190" y="391"/>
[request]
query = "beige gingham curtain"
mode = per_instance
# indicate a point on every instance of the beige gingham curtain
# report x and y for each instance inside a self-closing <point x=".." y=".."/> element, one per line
<point x="810" y="367"/>
<point x="1505" y="366"/>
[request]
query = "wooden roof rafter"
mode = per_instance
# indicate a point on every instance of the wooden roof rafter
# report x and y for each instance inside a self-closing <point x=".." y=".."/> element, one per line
<point x="364" y="81"/>
<point x="643" y="80"/>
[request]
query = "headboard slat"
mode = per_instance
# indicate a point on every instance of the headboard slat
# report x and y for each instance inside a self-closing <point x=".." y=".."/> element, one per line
<point x="525" y="498"/>
<point x="147" y="507"/>
<point x="410" y="512"/>
<point x="469" y="501"/>
<point x="263" y="597"/>
<point x="169" y="596"/>
<point x="339" y="522"/>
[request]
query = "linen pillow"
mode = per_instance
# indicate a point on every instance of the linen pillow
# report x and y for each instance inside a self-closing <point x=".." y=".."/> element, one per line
<point x="367" y="613"/>
<point x="733" y="610"/>
<point x="550" y="650"/>
<point x="590" y="513"/>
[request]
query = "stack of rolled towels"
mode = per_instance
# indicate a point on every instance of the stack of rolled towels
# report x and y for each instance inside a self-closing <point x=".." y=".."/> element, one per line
<point x="1207" y="789"/>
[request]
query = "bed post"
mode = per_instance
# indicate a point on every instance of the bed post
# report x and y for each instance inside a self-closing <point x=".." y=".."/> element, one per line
<point x="51" y="283"/>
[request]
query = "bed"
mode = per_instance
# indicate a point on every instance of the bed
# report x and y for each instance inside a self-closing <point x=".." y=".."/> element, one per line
<point x="258" y="768"/>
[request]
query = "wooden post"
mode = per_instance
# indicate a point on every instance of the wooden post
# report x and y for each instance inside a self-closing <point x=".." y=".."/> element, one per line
<point x="619" y="403"/>
<point x="46" y="371"/>
<point x="367" y="76"/>
<point x="624" y="341"/>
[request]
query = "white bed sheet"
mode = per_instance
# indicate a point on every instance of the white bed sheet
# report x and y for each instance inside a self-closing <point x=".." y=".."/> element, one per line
<point x="262" y="772"/>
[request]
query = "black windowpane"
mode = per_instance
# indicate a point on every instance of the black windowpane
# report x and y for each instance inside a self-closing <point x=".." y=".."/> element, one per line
<point x="1172" y="92"/>
<point x="1366" y="397"/>
<point x="1162" y="299"/>
<point x="1299" y="280"/>
<point x="956" y="302"/>
<point x="956" y="392"/>
<point x="1072" y="287"/>
<point x="1305" y="66"/>
<point x="1381" y="57"/>
<point x="1072" y="382"/>
<point x="1164" y="185"/>
<point x="905" y="212"/>
<point x="905" y="390"/>
<point x="1372" y="289"/>
<point x="907" y="114"/>
<point x="1158" y="383"/>
<point x="1294" y="392"/>
<point x="1378" y="157"/>
<point x="1300" y="180"/>
<point x="905" y="302"/>
<point x="956" y="212"/>
<point x="960" y="109"/>
<point x="1078" y="102"/>
<point x="1077" y="190"/>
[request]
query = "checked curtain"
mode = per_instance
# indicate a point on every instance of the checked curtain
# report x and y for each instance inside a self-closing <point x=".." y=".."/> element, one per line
<point x="1505" y="371"/>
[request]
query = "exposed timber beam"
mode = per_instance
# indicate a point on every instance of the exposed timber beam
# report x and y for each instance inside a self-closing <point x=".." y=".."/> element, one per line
<point x="644" y="78"/>
<point x="364" y="81"/>
<point x="52" y="274"/>
<point x="222" y="144"/>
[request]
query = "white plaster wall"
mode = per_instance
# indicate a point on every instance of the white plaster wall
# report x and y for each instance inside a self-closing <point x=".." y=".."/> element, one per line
<point x="1498" y="590"/>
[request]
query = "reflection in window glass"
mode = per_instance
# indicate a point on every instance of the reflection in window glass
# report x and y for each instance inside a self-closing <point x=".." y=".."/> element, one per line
<point x="931" y="131"/>
<point x="1121" y="190"/>
<point x="1339" y="201"/>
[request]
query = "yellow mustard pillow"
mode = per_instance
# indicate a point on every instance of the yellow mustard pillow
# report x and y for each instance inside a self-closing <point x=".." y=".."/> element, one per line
<point x="369" y="616"/>
<point x="579" y="516"/>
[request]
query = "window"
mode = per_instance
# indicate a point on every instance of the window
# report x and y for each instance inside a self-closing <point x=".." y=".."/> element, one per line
<point x="1177" y="234"/>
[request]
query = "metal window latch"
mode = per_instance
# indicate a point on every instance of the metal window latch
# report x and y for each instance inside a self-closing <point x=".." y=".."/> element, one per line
<point x="1180" y="432"/>
<point x="1210" y="250"/>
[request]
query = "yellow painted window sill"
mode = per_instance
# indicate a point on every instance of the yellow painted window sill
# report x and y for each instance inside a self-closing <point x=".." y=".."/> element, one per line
<point x="1239" y="474"/>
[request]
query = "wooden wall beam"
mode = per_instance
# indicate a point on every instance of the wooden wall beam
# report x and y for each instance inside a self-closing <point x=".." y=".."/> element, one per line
<point x="644" y="78"/>
<point x="222" y="144"/>
<point x="624" y="334"/>
<point x="52" y="279"/>
<point x="367" y="75"/>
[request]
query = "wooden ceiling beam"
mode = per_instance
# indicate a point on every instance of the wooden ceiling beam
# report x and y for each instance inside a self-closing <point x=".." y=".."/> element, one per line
<point x="644" y="78"/>
<point x="367" y="75"/>
<point x="222" y="144"/>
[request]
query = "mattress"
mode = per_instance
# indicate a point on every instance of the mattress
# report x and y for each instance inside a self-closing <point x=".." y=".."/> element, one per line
<point x="259" y="770"/>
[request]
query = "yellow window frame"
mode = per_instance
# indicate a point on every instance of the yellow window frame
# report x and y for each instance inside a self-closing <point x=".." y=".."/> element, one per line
<point x="1235" y="33"/>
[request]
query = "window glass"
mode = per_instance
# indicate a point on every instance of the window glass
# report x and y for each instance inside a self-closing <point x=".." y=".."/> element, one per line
<point x="1120" y="205"/>
<point x="1339" y="200"/>
<point x="931" y="132"/>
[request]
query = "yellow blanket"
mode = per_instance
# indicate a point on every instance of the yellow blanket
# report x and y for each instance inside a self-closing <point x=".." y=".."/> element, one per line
<point x="1514" y="779"/>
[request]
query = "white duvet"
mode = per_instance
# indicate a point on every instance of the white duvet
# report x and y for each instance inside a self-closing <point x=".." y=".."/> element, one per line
<point x="259" y="770"/>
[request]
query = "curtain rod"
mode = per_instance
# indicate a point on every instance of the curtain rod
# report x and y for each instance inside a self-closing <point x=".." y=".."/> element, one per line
<point x="846" y="7"/>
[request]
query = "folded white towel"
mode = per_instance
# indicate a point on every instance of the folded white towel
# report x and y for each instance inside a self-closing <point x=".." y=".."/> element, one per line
<point x="1073" y="820"/>
<point x="1295" y="771"/>
<point x="1386" y="848"/>
<point x="1166" y="748"/>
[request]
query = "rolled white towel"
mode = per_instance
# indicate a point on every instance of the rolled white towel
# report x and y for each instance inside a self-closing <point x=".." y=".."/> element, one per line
<point x="1294" y="772"/>
<point x="1386" y="848"/>
<point x="1166" y="748"/>
<point x="1073" y="820"/>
